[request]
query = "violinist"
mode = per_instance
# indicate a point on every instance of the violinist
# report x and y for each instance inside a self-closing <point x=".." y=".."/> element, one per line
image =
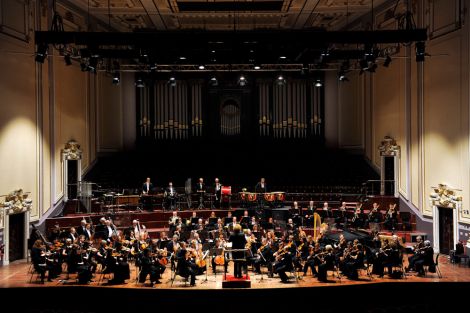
<point x="264" y="256"/>
<point x="354" y="262"/>
<point x="374" y="214"/>
<point x="417" y="249"/>
<point x="148" y="268"/>
<point x="425" y="257"/>
<point x="85" y="266"/>
<point x="73" y="234"/>
<point x="39" y="259"/>
<point x="184" y="266"/>
<point x="327" y="262"/>
<point x="284" y="259"/>
<point x="313" y="258"/>
<point x="120" y="268"/>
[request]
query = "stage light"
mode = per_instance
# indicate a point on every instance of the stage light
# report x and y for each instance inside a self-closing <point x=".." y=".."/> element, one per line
<point x="182" y="58"/>
<point x="281" y="81"/>
<point x="420" y="51"/>
<point x="201" y="67"/>
<point x="116" y="78"/>
<point x="256" y="66"/>
<point x="318" y="83"/>
<point x="387" y="61"/>
<point x="67" y="59"/>
<point x="41" y="54"/>
<point x="242" y="81"/>
<point x="172" y="81"/>
<point x="282" y="57"/>
<point x="213" y="81"/>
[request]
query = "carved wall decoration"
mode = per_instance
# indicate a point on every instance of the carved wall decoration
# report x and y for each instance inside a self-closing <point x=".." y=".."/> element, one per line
<point x="444" y="196"/>
<point x="72" y="151"/>
<point x="389" y="147"/>
<point x="16" y="202"/>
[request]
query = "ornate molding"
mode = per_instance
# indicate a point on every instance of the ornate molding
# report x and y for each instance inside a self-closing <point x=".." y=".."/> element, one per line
<point x="72" y="151"/>
<point x="16" y="202"/>
<point x="389" y="147"/>
<point x="444" y="196"/>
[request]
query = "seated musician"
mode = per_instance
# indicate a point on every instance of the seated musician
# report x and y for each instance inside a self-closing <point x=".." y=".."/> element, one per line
<point x="200" y="225"/>
<point x="354" y="261"/>
<point x="201" y="189"/>
<point x="284" y="260"/>
<point x="194" y="220"/>
<point x="173" y="221"/>
<point x="290" y="226"/>
<point x="327" y="262"/>
<point x="313" y="259"/>
<point x="81" y="229"/>
<point x="100" y="230"/>
<point x="173" y="245"/>
<point x="253" y="224"/>
<point x="232" y="225"/>
<point x="110" y="230"/>
<point x="55" y="234"/>
<point x="148" y="268"/>
<point x="73" y="234"/>
<point x="391" y="217"/>
<point x="147" y="187"/>
<point x="425" y="257"/>
<point x="38" y="257"/>
<point x="219" y="259"/>
<point x="184" y="267"/>
<point x="217" y="193"/>
<point x="245" y="220"/>
<point x="121" y="267"/>
<point x="383" y="257"/>
<point x="170" y="197"/>
<point x="296" y="208"/>
<point x="270" y="224"/>
<point x="417" y="248"/>
<point x="310" y="210"/>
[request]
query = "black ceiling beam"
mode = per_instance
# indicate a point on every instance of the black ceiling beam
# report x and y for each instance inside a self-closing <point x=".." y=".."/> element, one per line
<point x="193" y="39"/>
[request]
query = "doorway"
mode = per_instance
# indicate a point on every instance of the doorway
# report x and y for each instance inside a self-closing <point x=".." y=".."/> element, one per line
<point x="446" y="230"/>
<point x="16" y="236"/>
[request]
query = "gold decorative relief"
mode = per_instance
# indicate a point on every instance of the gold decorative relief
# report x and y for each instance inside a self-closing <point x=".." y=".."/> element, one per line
<point x="16" y="202"/>
<point x="72" y="151"/>
<point x="444" y="196"/>
<point x="389" y="147"/>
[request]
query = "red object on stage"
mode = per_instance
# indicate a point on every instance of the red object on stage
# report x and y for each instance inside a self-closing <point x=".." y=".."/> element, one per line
<point x="231" y="282"/>
<point x="226" y="190"/>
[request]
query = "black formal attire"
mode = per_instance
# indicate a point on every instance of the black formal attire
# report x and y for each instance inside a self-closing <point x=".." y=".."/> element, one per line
<point x="218" y="195"/>
<point x="200" y="189"/>
<point x="101" y="232"/>
<point x="147" y="188"/>
<point x="170" y="198"/>
<point x="283" y="265"/>
<point x="238" y="241"/>
<point x="184" y="267"/>
<point x="39" y="262"/>
<point x="327" y="264"/>
<point x="390" y="220"/>
<point x="425" y="258"/>
<point x="416" y="256"/>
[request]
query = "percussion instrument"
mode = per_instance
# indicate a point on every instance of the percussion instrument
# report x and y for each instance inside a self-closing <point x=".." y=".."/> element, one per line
<point x="243" y="196"/>
<point x="226" y="190"/>
<point x="279" y="195"/>
<point x="269" y="196"/>
<point x="251" y="196"/>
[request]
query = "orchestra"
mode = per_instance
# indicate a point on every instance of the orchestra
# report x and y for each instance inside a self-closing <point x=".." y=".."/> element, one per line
<point x="203" y="241"/>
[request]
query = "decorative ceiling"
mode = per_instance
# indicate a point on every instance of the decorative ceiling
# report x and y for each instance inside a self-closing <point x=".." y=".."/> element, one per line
<point x="131" y="15"/>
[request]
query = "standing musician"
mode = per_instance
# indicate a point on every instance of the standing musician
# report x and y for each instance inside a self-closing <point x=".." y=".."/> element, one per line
<point x="261" y="186"/>
<point x="173" y="221"/>
<point x="326" y="210"/>
<point x="147" y="187"/>
<point x="170" y="197"/>
<point x="357" y="221"/>
<point x="201" y="189"/>
<point x="218" y="193"/>
<point x="238" y="242"/>
<point x="391" y="217"/>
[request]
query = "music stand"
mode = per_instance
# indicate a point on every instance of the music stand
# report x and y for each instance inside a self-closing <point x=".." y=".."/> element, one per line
<point x="261" y="279"/>
<point x="204" y="257"/>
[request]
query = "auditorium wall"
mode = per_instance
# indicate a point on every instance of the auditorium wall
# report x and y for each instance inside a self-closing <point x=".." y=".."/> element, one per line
<point x="424" y="106"/>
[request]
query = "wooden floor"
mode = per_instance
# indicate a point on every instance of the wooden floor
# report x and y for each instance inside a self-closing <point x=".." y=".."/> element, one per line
<point x="16" y="275"/>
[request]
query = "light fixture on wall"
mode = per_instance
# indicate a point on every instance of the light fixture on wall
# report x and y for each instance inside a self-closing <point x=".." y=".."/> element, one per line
<point x="41" y="54"/>
<point x="213" y="81"/>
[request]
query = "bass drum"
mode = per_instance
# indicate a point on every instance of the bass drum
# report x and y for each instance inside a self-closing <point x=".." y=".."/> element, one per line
<point x="251" y="197"/>
<point x="280" y="196"/>
<point x="269" y="197"/>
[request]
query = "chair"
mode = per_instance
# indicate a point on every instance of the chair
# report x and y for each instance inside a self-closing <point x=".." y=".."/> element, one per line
<point x="176" y="271"/>
<point x="436" y="265"/>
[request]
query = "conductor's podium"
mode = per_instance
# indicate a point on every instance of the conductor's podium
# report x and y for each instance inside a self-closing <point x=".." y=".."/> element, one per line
<point x="231" y="282"/>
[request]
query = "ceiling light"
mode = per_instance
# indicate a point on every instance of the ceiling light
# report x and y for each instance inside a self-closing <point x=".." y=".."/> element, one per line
<point x="172" y="81"/>
<point x="182" y="58"/>
<point x="213" y="81"/>
<point x="139" y="82"/>
<point x="318" y="83"/>
<point x="242" y="81"/>
<point x="201" y="67"/>
<point x="257" y="67"/>
<point x="282" y="57"/>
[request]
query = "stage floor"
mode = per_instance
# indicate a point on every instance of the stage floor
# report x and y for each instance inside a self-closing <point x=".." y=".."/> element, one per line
<point x="16" y="275"/>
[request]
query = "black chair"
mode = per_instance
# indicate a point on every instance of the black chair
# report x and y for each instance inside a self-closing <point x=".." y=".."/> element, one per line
<point x="436" y="266"/>
<point x="179" y="272"/>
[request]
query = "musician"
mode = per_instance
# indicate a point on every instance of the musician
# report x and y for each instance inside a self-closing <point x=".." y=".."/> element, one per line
<point x="327" y="263"/>
<point x="245" y="219"/>
<point x="231" y="226"/>
<point x="200" y="225"/>
<point x="101" y="229"/>
<point x="425" y="257"/>
<point x="383" y="257"/>
<point x="357" y="220"/>
<point x="147" y="187"/>
<point x="418" y="247"/>
<point x="173" y="245"/>
<point x="261" y="186"/>
<point x="374" y="214"/>
<point x="326" y="210"/>
<point x="228" y="218"/>
<point x="201" y="189"/>
<point x="110" y="229"/>
<point x="73" y="234"/>
<point x="170" y="197"/>
<point x="296" y="208"/>
<point x="55" y="233"/>
<point x="81" y="229"/>
<point x="238" y="242"/>
<point x="284" y="260"/>
<point x="194" y="220"/>
<point x="148" y="268"/>
<point x="120" y="268"/>
<point x="173" y="221"/>
<point x="313" y="259"/>
<point x="391" y="217"/>
<point x="184" y="267"/>
<point x="354" y="261"/>
<point x="38" y="257"/>
<point x="270" y="224"/>
<point x="219" y="259"/>
<point x="264" y="256"/>
<point x="88" y="232"/>
<point x="218" y="193"/>
<point x="341" y="217"/>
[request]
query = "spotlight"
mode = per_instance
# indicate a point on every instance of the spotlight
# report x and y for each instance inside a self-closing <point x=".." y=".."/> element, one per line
<point x="201" y="67"/>
<point x="41" y="53"/>
<point x="242" y="81"/>
<point x="420" y="51"/>
<point x="387" y="61"/>
<point x="213" y="81"/>
<point x="67" y="59"/>
<point x="281" y="81"/>
<point x="282" y="57"/>
<point x="318" y="83"/>
<point x="117" y="78"/>
<point x="256" y="67"/>
<point x="172" y="81"/>
<point x="182" y="58"/>
<point x="139" y="82"/>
